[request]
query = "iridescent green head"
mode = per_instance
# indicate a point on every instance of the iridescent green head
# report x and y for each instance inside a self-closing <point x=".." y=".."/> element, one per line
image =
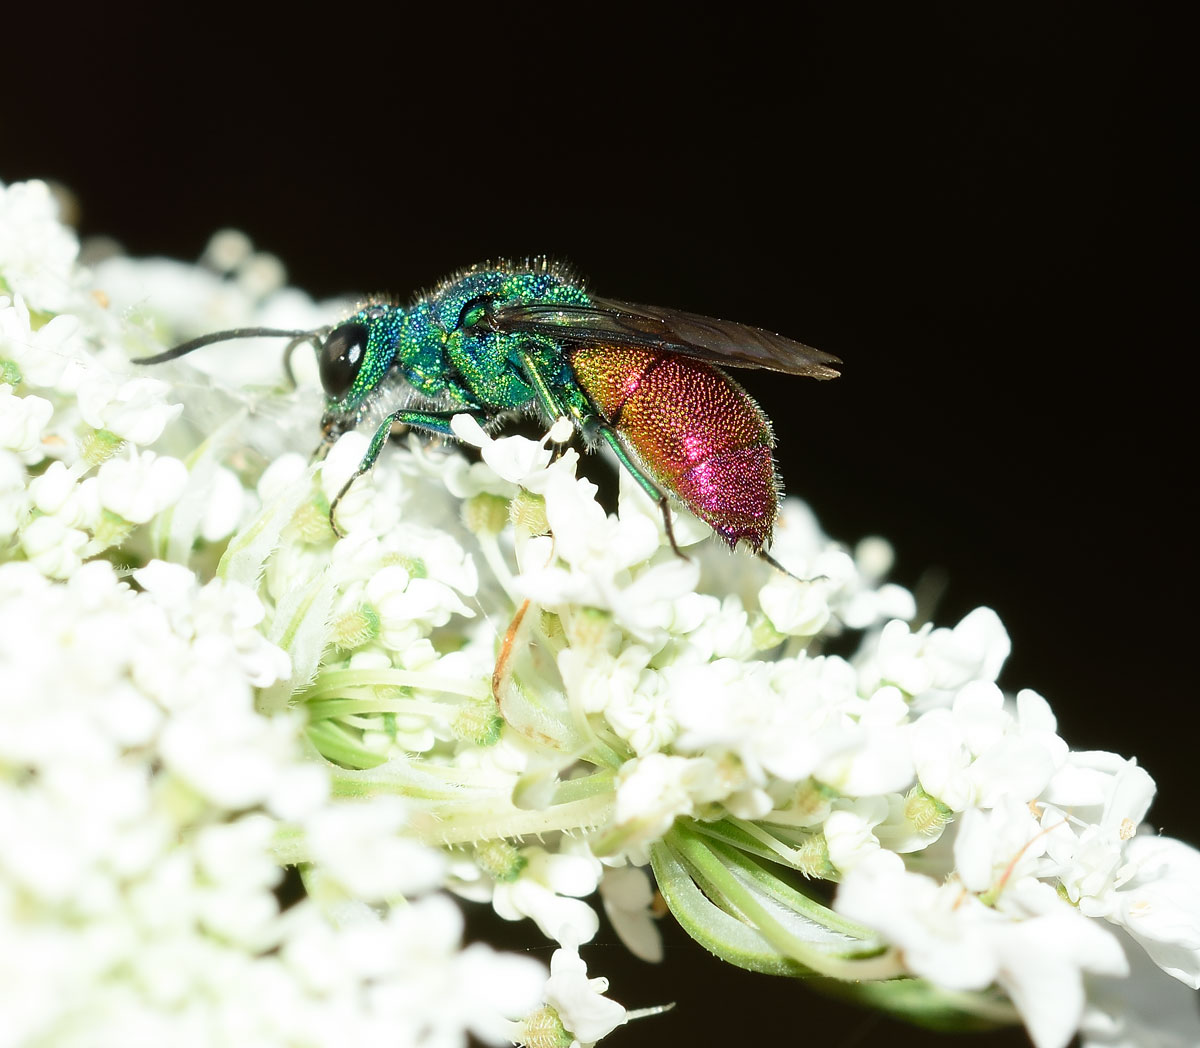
<point x="352" y="362"/>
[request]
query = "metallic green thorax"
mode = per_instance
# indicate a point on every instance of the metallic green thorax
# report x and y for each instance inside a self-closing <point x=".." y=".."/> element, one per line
<point x="437" y="357"/>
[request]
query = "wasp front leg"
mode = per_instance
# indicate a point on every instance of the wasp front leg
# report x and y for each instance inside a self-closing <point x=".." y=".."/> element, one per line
<point x="435" y="422"/>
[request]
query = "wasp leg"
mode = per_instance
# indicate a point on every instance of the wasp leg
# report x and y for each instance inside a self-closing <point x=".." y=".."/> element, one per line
<point x="763" y="555"/>
<point x="555" y="408"/>
<point x="648" y="486"/>
<point x="436" y="422"/>
<point x="551" y="404"/>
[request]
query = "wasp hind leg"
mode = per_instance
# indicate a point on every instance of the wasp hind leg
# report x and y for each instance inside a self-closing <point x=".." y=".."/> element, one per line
<point x="766" y="558"/>
<point x="555" y="407"/>
<point x="591" y="425"/>
<point x="607" y="434"/>
<point x="436" y="422"/>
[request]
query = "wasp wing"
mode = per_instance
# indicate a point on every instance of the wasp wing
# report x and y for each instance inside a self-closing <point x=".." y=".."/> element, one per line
<point x="666" y="330"/>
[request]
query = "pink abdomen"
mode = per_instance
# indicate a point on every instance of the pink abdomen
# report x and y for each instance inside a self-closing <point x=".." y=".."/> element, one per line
<point x="696" y="431"/>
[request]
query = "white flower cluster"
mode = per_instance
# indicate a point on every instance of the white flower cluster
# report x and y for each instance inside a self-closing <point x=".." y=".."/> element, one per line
<point x="487" y="684"/>
<point x="142" y="801"/>
<point x="145" y="799"/>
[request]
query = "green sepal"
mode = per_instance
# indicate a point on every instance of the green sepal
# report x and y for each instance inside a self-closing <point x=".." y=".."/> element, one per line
<point x="741" y="910"/>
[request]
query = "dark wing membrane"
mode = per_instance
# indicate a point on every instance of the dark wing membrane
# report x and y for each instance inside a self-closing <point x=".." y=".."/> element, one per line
<point x="666" y="330"/>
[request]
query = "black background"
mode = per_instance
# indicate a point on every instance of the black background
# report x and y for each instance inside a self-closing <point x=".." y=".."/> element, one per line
<point x="979" y="210"/>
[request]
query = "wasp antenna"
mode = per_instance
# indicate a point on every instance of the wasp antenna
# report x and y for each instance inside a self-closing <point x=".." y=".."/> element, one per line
<point x="305" y="336"/>
<point x="220" y="336"/>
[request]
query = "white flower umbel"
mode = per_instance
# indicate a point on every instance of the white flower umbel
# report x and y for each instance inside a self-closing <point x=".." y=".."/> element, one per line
<point x="246" y="762"/>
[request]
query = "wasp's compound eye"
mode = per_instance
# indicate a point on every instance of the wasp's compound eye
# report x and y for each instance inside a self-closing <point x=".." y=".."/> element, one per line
<point x="340" y="358"/>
